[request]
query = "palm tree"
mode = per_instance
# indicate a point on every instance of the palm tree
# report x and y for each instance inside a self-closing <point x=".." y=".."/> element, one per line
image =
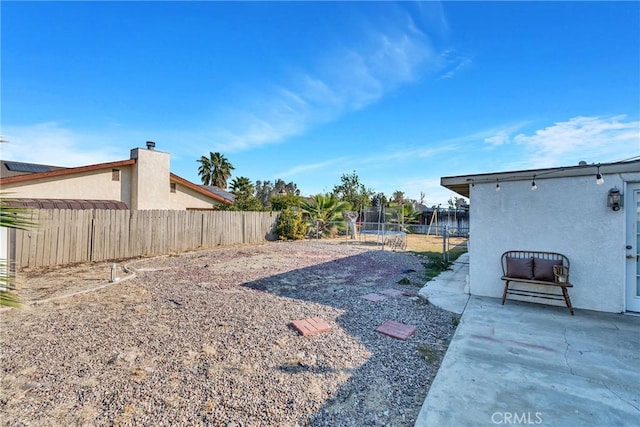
<point x="243" y="192"/>
<point x="18" y="218"/>
<point x="325" y="212"/>
<point x="242" y="185"/>
<point x="205" y="170"/>
<point x="215" y="170"/>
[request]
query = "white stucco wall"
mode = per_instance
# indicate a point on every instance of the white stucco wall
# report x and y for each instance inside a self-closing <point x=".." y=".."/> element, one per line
<point x="566" y="215"/>
<point x="97" y="185"/>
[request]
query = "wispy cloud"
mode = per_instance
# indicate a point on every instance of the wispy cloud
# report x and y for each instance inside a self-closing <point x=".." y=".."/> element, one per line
<point x="455" y="66"/>
<point x="500" y="135"/>
<point x="380" y="161"/>
<point x="346" y="80"/>
<point x="311" y="167"/>
<point x="582" y="138"/>
<point x="51" y="143"/>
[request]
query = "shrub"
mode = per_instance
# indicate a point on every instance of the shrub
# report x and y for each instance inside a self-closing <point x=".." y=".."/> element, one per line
<point x="290" y="225"/>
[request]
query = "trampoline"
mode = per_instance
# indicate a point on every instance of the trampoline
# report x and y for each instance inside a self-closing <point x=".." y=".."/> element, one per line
<point x="383" y="232"/>
<point x="385" y="223"/>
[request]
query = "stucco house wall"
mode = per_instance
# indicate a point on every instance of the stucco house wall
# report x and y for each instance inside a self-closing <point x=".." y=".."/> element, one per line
<point x="566" y="215"/>
<point x="187" y="198"/>
<point x="145" y="182"/>
<point x="84" y="185"/>
<point x="149" y="188"/>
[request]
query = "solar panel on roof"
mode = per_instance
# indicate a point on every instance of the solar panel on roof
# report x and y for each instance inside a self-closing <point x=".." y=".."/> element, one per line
<point x="27" y="167"/>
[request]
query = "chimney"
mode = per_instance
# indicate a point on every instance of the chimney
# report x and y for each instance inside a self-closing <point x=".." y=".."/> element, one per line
<point x="151" y="145"/>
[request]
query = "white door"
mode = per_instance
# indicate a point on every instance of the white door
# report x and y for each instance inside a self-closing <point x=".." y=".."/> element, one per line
<point x="632" y="208"/>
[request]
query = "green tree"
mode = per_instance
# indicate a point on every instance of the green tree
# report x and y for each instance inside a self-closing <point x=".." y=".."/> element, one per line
<point x="410" y="214"/>
<point x="354" y="192"/>
<point x="17" y="218"/>
<point x="325" y="214"/>
<point x="290" y="225"/>
<point x="215" y="170"/>
<point x="264" y="192"/>
<point x="243" y="190"/>
<point x="456" y="202"/>
<point x="281" y="193"/>
<point x="280" y="203"/>
<point x="286" y="188"/>
<point x="379" y="199"/>
<point x="398" y="197"/>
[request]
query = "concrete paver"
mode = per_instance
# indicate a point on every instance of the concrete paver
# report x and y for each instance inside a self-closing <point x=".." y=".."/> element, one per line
<point x="311" y="326"/>
<point x="396" y="329"/>
<point x="534" y="364"/>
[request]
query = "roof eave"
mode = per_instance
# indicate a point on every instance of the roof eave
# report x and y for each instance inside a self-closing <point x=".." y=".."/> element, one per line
<point x="65" y="171"/>
<point x="460" y="184"/>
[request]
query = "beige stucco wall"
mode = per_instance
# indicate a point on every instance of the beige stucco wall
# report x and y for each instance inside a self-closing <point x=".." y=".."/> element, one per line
<point x="143" y="185"/>
<point x="186" y="198"/>
<point x="150" y="181"/>
<point x="93" y="185"/>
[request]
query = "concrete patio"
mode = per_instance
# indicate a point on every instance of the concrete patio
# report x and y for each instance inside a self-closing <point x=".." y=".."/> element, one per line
<point x="532" y="364"/>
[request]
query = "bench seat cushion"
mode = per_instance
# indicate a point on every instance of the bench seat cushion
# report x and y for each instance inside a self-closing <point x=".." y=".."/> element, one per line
<point x="543" y="269"/>
<point x="520" y="268"/>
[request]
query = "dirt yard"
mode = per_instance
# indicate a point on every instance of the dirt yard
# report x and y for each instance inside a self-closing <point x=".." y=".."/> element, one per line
<point x="205" y="338"/>
<point x="414" y="242"/>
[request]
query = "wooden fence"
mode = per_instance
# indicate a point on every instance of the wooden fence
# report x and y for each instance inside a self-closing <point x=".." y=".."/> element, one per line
<point x="70" y="236"/>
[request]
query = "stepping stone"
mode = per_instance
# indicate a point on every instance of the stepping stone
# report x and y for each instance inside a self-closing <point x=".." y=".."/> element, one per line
<point x="392" y="292"/>
<point x="311" y="326"/>
<point x="373" y="297"/>
<point x="396" y="329"/>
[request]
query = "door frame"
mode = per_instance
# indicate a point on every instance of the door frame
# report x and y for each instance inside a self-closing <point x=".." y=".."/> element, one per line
<point x="632" y="226"/>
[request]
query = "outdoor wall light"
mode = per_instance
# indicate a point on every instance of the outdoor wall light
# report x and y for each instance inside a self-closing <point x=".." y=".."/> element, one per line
<point x="599" y="178"/>
<point x="534" y="186"/>
<point x="614" y="199"/>
<point x="497" y="185"/>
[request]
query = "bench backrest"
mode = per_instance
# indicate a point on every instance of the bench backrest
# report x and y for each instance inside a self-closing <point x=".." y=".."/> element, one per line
<point x="535" y="254"/>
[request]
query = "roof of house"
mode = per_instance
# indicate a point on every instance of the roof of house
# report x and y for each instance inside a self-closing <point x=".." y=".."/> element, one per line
<point x="11" y="168"/>
<point x="220" y="192"/>
<point x="32" y="171"/>
<point x="461" y="183"/>
<point x="63" y="171"/>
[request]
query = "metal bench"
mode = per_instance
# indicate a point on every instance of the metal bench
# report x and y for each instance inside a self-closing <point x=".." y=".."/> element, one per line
<point x="536" y="268"/>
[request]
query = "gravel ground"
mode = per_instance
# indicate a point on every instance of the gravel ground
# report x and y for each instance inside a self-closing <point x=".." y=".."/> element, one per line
<point x="205" y="338"/>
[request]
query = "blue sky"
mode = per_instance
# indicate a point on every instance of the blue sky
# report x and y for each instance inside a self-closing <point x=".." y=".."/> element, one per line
<point x="401" y="93"/>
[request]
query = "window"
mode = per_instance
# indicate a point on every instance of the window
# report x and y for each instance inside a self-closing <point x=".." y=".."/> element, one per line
<point x="173" y="187"/>
<point x="115" y="174"/>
